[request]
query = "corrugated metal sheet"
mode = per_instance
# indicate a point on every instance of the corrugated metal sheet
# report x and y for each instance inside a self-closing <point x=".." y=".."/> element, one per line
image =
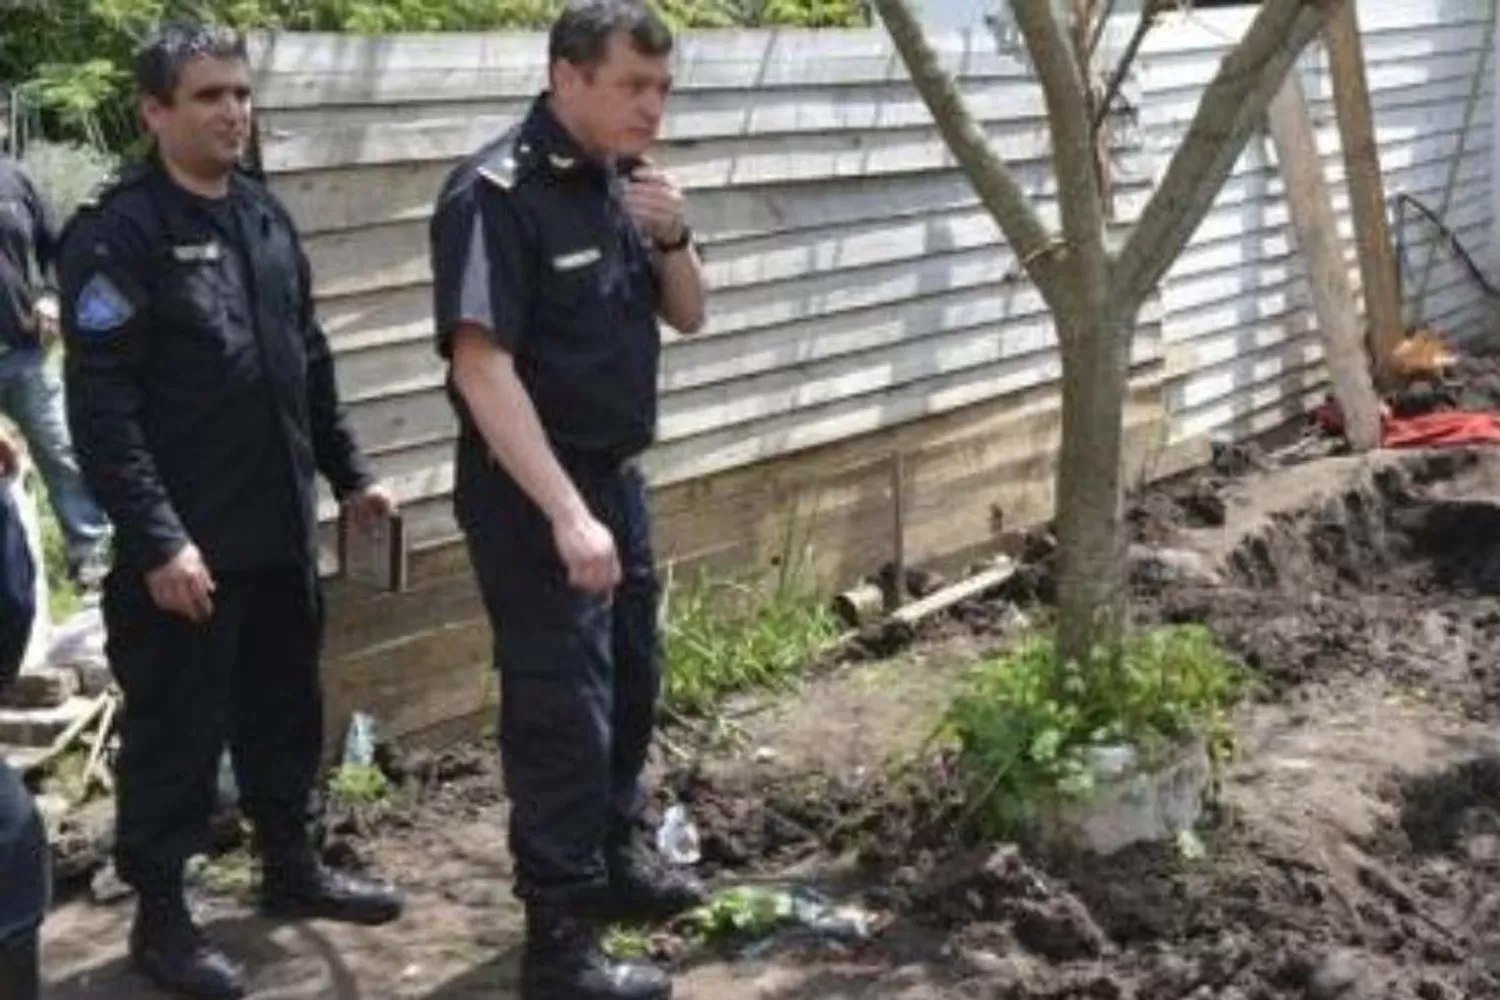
<point x="1242" y="346"/>
<point x="857" y="285"/>
<point x="856" y="282"/>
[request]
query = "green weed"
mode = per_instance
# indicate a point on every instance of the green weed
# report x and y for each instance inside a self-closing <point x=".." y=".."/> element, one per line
<point x="739" y="912"/>
<point x="1024" y="722"/>
<point x="626" y="942"/>
<point x="721" y="637"/>
<point x="63" y="598"/>
<point x="359" y="784"/>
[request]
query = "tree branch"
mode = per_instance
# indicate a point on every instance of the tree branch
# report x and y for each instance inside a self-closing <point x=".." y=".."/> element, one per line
<point x="1067" y="99"/>
<point x="1132" y="49"/>
<point x="1032" y="244"/>
<point x="1096" y="33"/>
<point x="1231" y="109"/>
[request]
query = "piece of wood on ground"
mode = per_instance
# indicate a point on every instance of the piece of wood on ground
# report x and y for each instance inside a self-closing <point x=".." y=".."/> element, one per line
<point x="1316" y="227"/>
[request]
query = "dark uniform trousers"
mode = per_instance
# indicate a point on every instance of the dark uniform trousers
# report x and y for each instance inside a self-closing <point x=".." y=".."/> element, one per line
<point x="579" y="674"/>
<point x="24" y="887"/>
<point x="248" y="675"/>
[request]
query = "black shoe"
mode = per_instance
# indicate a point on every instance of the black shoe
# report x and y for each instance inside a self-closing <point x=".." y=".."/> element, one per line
<point x="642" y="888"/>
<point x="562" y="961"/>
<point x="306" y="890"/>
<point x="167" y="948"/>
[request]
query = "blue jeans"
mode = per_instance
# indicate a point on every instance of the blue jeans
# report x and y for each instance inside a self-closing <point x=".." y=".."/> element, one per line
<point x="31" y="394"/>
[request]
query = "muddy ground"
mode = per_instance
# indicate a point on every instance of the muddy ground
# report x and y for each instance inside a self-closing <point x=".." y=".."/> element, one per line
<point x="1354" y="852"/>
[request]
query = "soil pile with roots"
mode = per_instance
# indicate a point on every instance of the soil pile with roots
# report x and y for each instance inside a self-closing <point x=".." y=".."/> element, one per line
<point x="1376" y="595"/>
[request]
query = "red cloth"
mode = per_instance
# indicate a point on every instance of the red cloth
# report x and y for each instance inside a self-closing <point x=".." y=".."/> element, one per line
<point x="1439" y="428"/>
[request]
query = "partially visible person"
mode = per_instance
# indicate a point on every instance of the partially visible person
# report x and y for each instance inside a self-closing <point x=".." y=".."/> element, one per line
<point x="31" y="390"/>
<point x="24" y="877"/>
<point x="203" y="400"/>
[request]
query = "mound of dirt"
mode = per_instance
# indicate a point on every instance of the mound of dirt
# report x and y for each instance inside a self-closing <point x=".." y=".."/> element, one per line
<point x="1382" y="589"/>
<point x="1390" y="578"/>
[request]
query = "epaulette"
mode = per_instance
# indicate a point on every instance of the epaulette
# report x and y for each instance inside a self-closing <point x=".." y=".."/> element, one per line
<point x="507" y="165"/>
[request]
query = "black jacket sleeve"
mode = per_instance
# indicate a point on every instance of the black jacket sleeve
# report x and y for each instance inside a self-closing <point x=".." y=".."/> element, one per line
<point x="338" y="456"/>
<point x="105" y="330"/>
<point x="45" y="228"/>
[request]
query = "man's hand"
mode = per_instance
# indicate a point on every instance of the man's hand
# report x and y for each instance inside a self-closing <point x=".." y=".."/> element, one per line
<point x="183" y="586"/>
<point x="10" y="453"/>
<point x="587" y="550"/>
<point x="655" y="202"/>
<point x="47" y="319"/>
<point x="369" y="505"/>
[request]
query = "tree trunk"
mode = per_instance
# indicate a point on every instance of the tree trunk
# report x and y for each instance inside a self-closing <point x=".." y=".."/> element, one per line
<point x="1090" y="518"/>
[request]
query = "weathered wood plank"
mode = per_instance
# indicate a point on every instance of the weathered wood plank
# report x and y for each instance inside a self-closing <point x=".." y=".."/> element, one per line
<point x="292" y="141"/>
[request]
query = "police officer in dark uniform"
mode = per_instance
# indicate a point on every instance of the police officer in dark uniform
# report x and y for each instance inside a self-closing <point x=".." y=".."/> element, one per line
<point x="202" y="399"/>
<point x="555" y="249"/>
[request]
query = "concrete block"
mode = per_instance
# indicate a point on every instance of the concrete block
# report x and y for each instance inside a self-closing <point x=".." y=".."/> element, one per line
<point x="1133" y="803"/>
<point x="38" y="727"/>
<point x="42" y="687"/>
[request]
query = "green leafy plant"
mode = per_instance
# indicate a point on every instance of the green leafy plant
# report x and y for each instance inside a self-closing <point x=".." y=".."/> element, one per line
<point x="1025" y="723"/>
<point x="740" y="911"/>
<point x="359" y="784"/>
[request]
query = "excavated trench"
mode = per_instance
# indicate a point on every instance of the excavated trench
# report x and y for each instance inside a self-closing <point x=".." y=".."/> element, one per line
<point x="1356" y="850"/>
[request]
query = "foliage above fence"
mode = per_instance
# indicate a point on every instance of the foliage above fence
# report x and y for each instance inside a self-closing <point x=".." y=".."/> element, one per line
<point x="72" y="56"/>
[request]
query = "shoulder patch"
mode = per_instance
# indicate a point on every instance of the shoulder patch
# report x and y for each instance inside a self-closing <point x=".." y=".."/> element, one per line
<point x="101" y="307"/>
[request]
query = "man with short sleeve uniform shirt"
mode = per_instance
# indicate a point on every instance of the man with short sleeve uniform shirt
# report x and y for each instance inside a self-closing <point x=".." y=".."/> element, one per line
<point x="203" y="401"/>
<point x="554" y="250"/>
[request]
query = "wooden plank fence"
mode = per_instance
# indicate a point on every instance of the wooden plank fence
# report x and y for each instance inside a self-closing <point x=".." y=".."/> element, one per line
<point x="863" y="303"/>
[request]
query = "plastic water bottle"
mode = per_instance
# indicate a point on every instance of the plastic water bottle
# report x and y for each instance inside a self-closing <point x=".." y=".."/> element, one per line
<point x="677" y="838"/>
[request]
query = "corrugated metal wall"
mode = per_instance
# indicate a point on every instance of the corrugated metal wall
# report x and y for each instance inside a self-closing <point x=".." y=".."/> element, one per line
<point x="863" y="305"/>
<point x="857" y="284"/>
<point x="1243" y="353"/>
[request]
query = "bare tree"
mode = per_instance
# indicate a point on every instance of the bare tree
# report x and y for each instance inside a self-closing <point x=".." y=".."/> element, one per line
<point x="1094" y="296"/>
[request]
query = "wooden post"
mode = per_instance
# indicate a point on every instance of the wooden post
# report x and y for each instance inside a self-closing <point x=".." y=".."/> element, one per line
<point x="1377" y="257"/>
<point x="1316" y="227"/>
<point x="898" y="531"/>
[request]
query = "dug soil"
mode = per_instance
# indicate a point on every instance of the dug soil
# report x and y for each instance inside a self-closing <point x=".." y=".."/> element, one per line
<point x="1353" y="850"/>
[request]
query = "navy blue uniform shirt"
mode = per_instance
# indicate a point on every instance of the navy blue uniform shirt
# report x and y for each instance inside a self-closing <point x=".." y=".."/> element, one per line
<point x="28" y="242"/>
<point x="531" y="241"/>
<point x="201" y="389"/>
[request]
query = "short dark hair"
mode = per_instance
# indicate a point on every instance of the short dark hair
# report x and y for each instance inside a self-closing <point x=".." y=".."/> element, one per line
<point x="174" y="44"/>
<point x="581" y="33"/>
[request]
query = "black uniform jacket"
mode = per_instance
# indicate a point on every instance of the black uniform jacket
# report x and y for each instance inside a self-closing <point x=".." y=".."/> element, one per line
<point x="532" y="242"/>
<point x="201" y="389"/>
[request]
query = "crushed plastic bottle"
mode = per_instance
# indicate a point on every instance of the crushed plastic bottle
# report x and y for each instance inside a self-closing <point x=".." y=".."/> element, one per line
<point x="359" y="744"/>
<point x="677" y="838"/>
<point x="228" y="788"/>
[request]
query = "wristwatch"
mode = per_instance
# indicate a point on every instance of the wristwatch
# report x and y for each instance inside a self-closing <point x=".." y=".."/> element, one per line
<point x="682" y="242"/>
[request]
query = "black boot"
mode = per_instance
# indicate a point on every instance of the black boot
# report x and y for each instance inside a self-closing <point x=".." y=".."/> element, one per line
<point x="298" y="887"/>
<point x="562" y="961"/>
<point x="19" y="970"/>
<point x="642" y="888"/>
<point x="169" y="949"/>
